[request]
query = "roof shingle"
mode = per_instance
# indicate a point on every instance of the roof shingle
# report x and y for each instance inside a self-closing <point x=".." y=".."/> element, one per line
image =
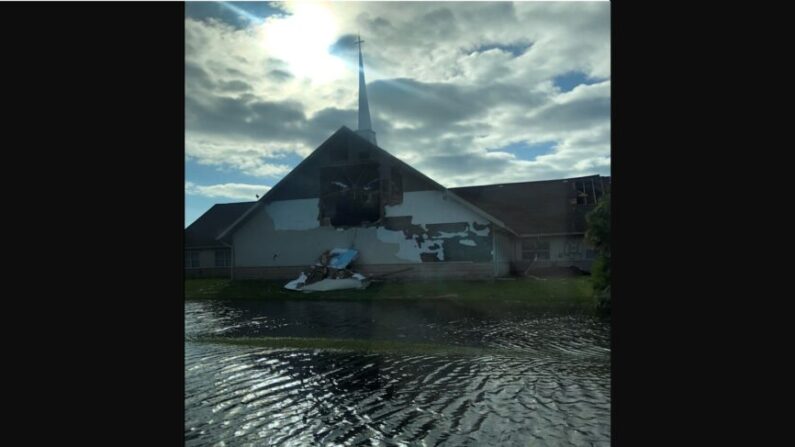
<point x="204" y="231"/>
<point x="543" y="207"/>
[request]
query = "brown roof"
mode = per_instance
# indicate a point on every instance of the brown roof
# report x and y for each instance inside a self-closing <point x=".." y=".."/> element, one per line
<point x="204" y="231"/>
<point x="531" y="208"/>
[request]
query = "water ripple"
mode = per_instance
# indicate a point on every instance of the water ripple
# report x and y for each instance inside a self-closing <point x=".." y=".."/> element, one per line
<point x="557" y="392"/>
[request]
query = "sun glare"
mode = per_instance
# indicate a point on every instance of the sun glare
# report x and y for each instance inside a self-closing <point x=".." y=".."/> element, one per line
<point x="302" y="40"/>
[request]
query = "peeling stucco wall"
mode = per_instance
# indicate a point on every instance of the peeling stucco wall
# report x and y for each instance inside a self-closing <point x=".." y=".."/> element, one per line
<point x="426" y="227"/>
<point x="433" y="207"/>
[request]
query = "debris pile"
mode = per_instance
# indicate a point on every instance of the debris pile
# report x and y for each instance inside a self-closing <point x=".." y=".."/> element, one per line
<point x="330" y="273"/>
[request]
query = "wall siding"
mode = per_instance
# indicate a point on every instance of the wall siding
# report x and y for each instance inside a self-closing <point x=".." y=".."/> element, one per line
<point x="425" y="228"/>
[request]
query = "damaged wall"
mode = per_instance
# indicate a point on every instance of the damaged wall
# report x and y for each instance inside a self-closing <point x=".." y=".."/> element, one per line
<point x="330" y="200"/>
<point x="426" y="227"/>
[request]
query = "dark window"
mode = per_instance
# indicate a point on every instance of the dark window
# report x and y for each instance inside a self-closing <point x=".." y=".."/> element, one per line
<point x="572" y="249"/>
<point x="192" y="259"/>
<point x="535" y="249"/>
<point x="350" y="195"/>
<point x="223" y="258"/>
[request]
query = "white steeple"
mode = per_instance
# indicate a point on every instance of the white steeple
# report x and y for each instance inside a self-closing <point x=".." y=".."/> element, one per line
<point x="365" y="128"/>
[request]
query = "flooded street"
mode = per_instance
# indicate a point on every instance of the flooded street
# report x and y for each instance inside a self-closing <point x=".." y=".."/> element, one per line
<point x="542" y="378"/>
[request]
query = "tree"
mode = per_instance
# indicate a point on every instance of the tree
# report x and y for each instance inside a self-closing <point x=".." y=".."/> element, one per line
<point x="598" y="234"/>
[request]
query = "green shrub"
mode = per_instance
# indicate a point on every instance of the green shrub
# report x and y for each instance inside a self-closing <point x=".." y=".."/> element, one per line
<point x="599" y="235"/>
<point x="600" y="273"/>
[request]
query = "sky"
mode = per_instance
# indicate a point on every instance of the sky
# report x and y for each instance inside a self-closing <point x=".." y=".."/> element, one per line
<point x="469" y="93"/>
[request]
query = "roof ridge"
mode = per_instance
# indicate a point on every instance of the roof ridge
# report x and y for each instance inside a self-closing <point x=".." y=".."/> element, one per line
<point x="529" y="181"/>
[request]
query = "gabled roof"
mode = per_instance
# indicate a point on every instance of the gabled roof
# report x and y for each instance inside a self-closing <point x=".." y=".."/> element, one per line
<point x="204" y="231"/>
<point x="535" y="208"/>
<point x="354" y="142"/>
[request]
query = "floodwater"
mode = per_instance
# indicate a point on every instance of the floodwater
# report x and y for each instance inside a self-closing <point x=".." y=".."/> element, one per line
<point x="547" y="382"/>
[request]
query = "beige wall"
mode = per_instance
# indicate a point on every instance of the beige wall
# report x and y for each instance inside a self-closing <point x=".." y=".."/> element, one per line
<point x="281" y="234"/>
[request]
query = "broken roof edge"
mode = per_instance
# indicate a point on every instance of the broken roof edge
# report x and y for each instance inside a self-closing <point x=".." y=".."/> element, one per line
<point x="443" y="188"/>
<point x="275" y="187"/>
<point x="411" y="169"/>
<point x="480" y="211"/>
<point x="567" y="179"/>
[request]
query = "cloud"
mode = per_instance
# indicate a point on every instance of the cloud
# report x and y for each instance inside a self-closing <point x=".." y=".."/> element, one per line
<point x="235" y="191"/>
<point x="258" y="160"/>
<point x="449" y="84"/>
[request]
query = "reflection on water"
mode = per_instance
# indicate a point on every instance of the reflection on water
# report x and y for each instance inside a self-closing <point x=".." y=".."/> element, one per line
<point x="555" y="390"/>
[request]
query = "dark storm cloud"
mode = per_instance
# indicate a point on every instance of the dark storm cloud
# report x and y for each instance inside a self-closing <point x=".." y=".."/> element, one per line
<point x="279" y="75"/>
<point x="439" y="104"/>
<point x="582" y="113"/>
<point x="254" y="119"/>
<point x="326" y="122"/>
<point x="247" y="117"/>
<point x="495" y="12"/>
<point x="345" y="46"/>
<point x="234" y="86"/>
<point x="439" y="24"/>
<point x="462" y="162"/>
<point x="430" y="104"/>
<point x="196" y="76"/>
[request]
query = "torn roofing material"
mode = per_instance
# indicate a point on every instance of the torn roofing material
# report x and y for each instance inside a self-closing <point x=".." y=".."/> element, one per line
<point x="536" y="208"/>
<point x="204" y="230"/>
<point x="345" y="137"/>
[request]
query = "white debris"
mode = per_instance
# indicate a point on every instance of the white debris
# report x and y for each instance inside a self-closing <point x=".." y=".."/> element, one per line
<point x="296" y="284"/>
<point x="468" y="242"/>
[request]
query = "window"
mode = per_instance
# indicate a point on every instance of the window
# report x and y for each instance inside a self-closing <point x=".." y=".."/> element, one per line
<point x="535" y="249"/>
<point x="192" y="259"/>
<point x="223" y="258"/>
<point x="572" y="249"/>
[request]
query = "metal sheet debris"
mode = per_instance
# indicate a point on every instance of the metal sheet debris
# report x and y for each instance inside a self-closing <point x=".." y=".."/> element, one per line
<point x="330" y="273"/>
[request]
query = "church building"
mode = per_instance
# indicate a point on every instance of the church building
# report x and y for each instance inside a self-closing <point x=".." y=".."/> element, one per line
<point x="351" y="193"/>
